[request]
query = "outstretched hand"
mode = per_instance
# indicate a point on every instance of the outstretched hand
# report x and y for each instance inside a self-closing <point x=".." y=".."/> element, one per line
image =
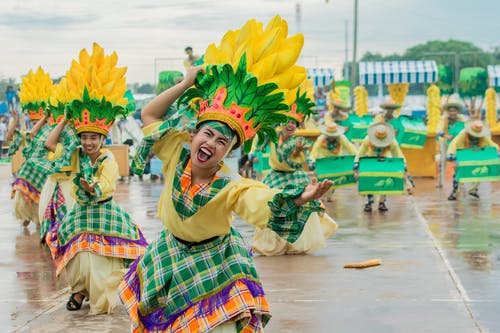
<point x="313" y="191"/>
<point x="86" y="186"/>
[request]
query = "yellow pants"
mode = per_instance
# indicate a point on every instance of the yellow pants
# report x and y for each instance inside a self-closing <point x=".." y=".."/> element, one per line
<point x="97" y="277"/>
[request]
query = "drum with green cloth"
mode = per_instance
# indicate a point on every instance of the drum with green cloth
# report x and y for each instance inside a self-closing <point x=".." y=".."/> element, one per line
<point x="381" y="175"/>
<point x="411" y="133"/>
<point x="358" y="127"/>
<point x="454" y="129"/>
<point x="262" y="164"/>
<point x="338" y="169"/>
<point x="477" y="165"/>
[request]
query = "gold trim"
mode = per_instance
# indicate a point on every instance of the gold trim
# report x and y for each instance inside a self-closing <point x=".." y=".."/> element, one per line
<point x="227" y="119"/>
<point x="93" y="129"/>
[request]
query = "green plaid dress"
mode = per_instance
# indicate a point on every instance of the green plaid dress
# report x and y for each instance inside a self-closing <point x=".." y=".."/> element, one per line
<point x="95" y="224"/>
<point x="17" y="141"/>
<point x="281" y="179"/>
<point x="180" y="286"/>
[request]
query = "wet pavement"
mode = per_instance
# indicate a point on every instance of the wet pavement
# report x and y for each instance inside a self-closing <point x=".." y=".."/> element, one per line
<point x="440" y="267"/>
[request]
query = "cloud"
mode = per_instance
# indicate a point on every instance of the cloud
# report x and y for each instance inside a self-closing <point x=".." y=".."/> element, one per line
<point x="22" y="21"/>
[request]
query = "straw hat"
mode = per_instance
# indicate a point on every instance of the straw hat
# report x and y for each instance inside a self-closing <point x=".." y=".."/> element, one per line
<point x="476" y="128"/>
<point x="453" y="103"/>
<point x="381" y="134"/>
<point x="332" y="130"/>
<point x="338" y="103"/>
<point x="390" y="104"/>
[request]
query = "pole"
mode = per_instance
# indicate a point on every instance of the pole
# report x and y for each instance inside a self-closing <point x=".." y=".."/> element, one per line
<point x="346" y="66"/>
<point x="354" y="49"/>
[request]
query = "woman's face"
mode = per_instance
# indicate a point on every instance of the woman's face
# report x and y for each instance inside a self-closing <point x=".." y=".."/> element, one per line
<point x="289" y="128"/>
<point x="91" y="142"/>
<point x="208" y="147"/>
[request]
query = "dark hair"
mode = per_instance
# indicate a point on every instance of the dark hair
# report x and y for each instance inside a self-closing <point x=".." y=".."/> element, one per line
<point x="188" y="48"/>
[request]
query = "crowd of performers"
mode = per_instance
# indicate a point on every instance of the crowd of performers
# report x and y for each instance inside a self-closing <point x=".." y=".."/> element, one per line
<point x="198" y="274"/>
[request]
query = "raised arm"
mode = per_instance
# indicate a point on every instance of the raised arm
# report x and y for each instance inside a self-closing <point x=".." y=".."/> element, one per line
<point x="39" y="124"/>
<point x="53" y="138"/>
<point x="12" y="126"/>
<point x="154" y="111"/>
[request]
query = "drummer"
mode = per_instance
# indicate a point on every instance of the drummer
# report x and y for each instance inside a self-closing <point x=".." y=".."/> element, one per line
<point x="450" y="124"/>
<point x="331" y="142"/>
<point x="380" y="142"/>
<point x="388" y="113"/>
<point x="475" y="135"/>
<point x="339" y="113"/>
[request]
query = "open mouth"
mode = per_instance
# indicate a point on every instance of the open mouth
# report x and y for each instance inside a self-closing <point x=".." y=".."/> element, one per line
<point x="203" y="155"/>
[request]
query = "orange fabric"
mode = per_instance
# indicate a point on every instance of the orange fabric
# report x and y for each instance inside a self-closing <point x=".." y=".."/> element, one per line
<point x="187" y="187"/>
<point x="102" y="247"/>
<point x="239" y="307"/>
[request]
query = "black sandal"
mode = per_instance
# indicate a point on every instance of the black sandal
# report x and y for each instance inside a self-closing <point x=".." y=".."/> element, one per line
<point x="368" y="207"/>
<point x="73" y="304"/>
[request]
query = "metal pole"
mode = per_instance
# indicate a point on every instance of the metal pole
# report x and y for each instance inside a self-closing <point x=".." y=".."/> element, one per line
<point x="354" y="50"/>
<point x="346" y="67"/>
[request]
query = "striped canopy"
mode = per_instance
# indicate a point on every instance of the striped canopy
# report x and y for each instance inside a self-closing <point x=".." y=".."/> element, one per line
<point x="494" y="75"/>
<point x="397" y="72"/>
<point x="320" y="76"/>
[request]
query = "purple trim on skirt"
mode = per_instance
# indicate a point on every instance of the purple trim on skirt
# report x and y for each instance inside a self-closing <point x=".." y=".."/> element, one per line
<point x="23" y="181"/>
<point x="110" y="239"/>
<point x="158" y="320"/>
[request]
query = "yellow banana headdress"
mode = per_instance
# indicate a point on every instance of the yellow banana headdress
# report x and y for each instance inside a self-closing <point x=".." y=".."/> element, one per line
<point x="303" y="105"/>
<point x="34" y="94"/>
<point x="96" y="88"/>
<point x="247" y="77"/>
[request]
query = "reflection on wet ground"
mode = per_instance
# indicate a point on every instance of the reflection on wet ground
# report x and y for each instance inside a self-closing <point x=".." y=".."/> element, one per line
<point x="439" y="269"/>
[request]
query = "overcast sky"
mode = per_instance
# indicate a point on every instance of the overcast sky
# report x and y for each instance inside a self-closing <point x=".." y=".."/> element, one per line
<point x="51" y="32"/>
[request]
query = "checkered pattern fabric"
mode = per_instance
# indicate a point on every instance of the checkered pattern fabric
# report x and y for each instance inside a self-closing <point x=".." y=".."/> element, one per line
<point x="54" y="213"/>
<point x="17" y="142"/>
<point x="106" y="218"/>
<point x="145" y="146"/>
<point x="97" y="244"/>
<point x="189" y="198"/>
<point x="287" y="219"/>
<point x="193" y="288"/>
<point x="70" y="141"/>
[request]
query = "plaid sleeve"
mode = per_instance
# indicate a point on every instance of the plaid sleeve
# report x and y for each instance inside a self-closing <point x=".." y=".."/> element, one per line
<point x="16" y="143"/>
<point x="287" y="219"/>
<point x="145" y="146"/>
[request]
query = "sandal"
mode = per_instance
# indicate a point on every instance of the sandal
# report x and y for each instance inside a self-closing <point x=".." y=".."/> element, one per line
<point x="368" y="207"/>
<point x="73" y="304"/>
<point x="452" y="197"/>
<point x="382" y="207"/>
<point x="474" y="194"/>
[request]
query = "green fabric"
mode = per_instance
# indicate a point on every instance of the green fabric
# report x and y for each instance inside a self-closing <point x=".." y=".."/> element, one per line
<point x="477" y="165"/>
<point x="338" y="169"/>
<point x="36" y="168"/>
<point x="70" y="141"/>
<point x="381" y="176"/>
<point x="288" y="220"/>
<point x="146" y="145"/>
<point x="16" y="143"/>
<point x="357" y="127"/>
<point x="174" y="275"/>
<point x="221" y="127"/>
<point x="93" y="217"/>
<point x="186" y="206"/>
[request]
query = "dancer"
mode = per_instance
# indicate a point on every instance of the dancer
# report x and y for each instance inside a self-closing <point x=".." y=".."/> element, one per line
<point x="96" y="240"/>
<point x="35" y="92"/>
<point x="198" y="275"/>
<point x="475" y="135"/>
<point x="380" y="142"/>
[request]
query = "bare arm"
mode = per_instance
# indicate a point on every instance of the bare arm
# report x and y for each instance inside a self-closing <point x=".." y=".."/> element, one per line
<point x="53" y="138"/>
<point x="38" y="126"/>
<point x="154" y="111"/>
